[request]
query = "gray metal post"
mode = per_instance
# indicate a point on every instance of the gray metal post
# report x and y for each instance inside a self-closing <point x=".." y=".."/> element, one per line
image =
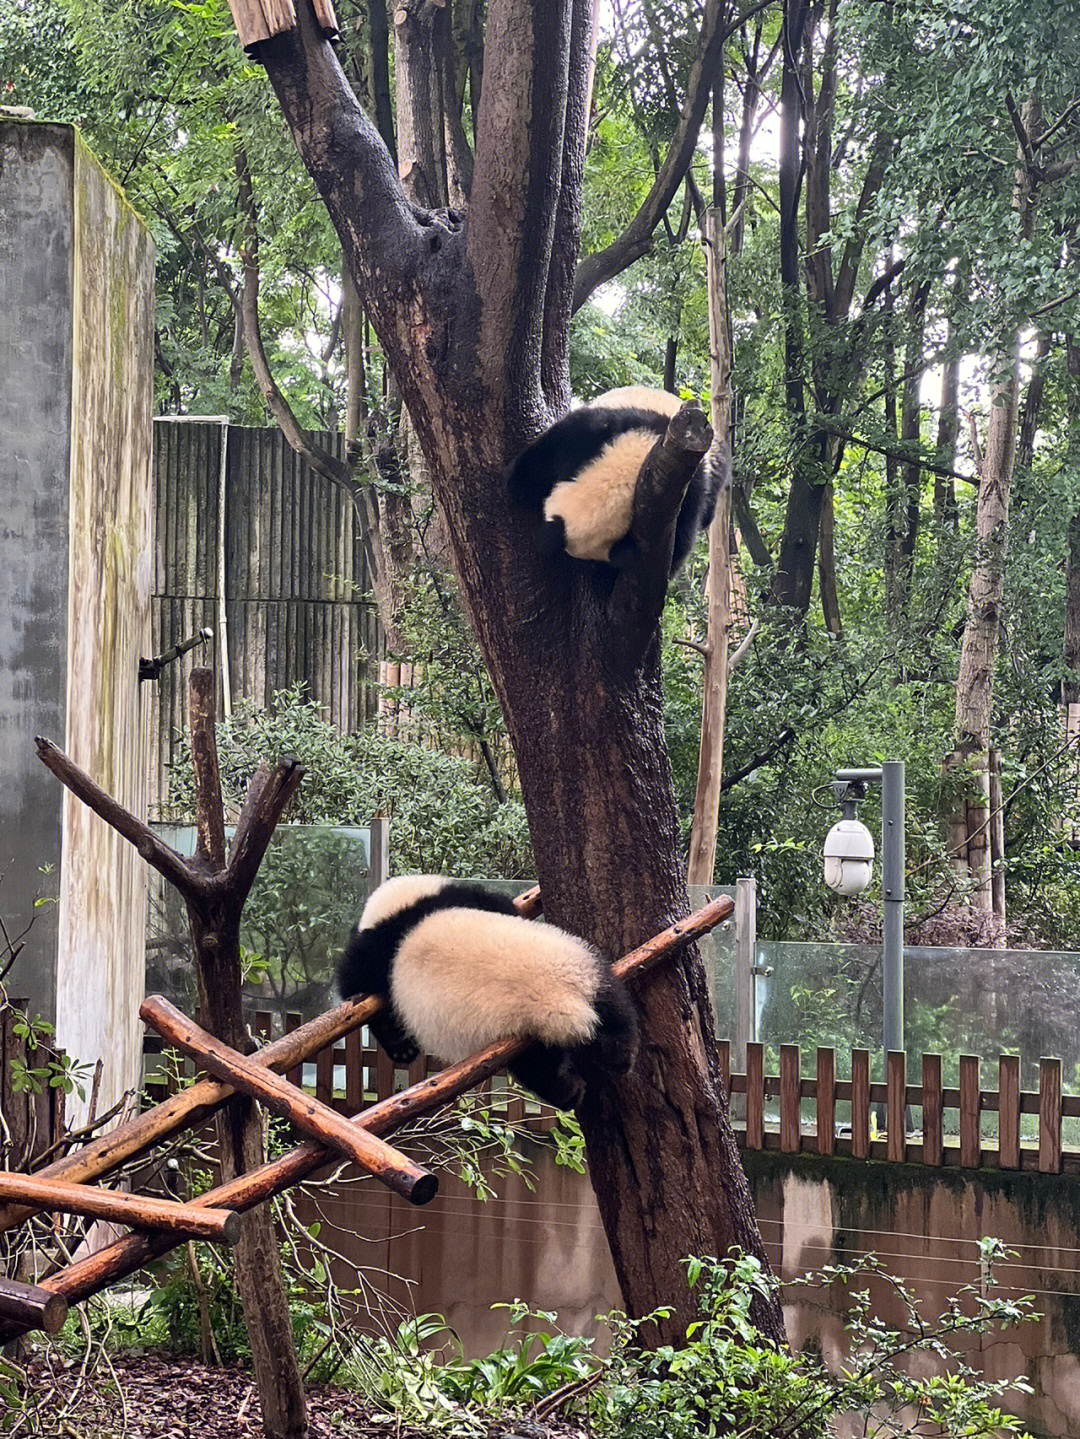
<point x="745" y="961"/>
<point x="892" y="893"/>
<point x="379" y="828"/>
<point x="745" y="983"/>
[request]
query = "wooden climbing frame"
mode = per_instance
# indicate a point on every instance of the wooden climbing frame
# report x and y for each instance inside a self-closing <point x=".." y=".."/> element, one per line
<point x="159" y="1225"/>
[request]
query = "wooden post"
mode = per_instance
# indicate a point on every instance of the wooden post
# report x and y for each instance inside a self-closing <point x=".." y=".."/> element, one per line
<point x="313" y="1117"/>
<point x="221" y="1226"/>
<point x="860" y="1103"/>
<point x="970" y="1143"/>
<point x="826" y="1101"/>
<point x="1009" y="1111"/>
<point x="379" y="840"/>
<point x="723" y="1050"/>
<point x="755" y="1096"/>
<point x="1050" y="1116"/>
<point x="932" y="1117"/>
<point x="790" y="1099"/>
<point x="896" y="1105"/>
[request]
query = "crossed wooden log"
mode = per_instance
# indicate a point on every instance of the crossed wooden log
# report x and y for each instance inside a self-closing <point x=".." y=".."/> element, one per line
<point x="158" y="1225"/>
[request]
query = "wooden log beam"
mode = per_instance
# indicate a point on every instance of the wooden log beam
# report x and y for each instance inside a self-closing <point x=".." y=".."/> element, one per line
<point x="198" y="1103"/>
<point x="31" y="1307"/>
<point x="220" y="1226"/>
<point x="394" y="1169"/>
<point x="126" y="1255"/>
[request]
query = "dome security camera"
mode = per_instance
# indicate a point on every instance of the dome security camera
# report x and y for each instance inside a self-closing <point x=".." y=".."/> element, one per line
<point x="849" y="857"/>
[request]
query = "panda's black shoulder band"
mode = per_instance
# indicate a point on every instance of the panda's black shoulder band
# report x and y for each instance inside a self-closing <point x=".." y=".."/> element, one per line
<point x="572" y="443"/>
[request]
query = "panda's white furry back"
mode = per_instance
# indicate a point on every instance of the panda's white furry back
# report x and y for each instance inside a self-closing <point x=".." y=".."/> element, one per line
<point x="578" y="479"/>
<point x="462" y="969"/>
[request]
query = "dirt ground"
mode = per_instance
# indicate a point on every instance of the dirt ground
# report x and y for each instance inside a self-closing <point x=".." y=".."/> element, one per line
<point x="162" y="1397"/>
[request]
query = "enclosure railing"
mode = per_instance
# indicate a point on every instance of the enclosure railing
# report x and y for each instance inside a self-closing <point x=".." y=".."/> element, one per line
<point x="955" y="1125"/>
<point x="963" y="1126"/>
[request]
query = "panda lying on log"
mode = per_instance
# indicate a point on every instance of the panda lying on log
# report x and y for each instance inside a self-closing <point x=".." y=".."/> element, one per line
<point x="462" y="969"/>
<point x="579" y="478"/>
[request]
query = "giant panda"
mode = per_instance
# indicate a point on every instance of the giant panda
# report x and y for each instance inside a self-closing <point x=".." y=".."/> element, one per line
<point x="461" y="969"/>
<point x="578" y="479"/>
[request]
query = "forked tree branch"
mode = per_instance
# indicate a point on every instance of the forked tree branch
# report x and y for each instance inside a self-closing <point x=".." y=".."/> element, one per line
<point x="516" y="183"/>
<point x="350" y="164"/>
<point x="636" y="240"/>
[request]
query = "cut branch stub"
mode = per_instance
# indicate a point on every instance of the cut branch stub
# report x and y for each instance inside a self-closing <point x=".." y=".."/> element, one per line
<point x="259" y="20"/>
<point x="257" y="824"/>
<point x="638" y="596"/>
<point x="26" y="1306"/>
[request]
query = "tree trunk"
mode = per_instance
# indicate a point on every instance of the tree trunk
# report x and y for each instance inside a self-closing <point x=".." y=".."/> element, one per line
<point x="978" y="653"/>
<point x="1070" y="685"/>
<point x="474" y="318"/>
<point x="830" y="597"/>
<point x="703" y="830"/>
<point x="215" y="932"/>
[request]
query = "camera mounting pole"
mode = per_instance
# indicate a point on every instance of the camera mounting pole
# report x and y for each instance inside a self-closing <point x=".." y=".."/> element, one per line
<point x="891" y="778"/>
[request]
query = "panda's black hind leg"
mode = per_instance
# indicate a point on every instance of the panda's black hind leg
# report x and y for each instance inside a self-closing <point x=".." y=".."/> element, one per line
<point x="549" y="1073"/>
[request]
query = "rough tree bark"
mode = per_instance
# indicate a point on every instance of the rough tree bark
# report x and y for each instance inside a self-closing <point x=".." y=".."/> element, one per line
<point x="806" y="151"/>
<point x="703" y="829"/>
<point x="215" y="931"/>
<point x="978" y="652"/>
<point x="473" y="314"/>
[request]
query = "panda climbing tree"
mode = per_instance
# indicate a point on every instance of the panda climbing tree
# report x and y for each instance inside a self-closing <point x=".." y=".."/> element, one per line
<point x="471" y="296"/>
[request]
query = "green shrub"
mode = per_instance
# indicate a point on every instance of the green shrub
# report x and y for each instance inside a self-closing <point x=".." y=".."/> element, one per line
<point x="444" y="817"/>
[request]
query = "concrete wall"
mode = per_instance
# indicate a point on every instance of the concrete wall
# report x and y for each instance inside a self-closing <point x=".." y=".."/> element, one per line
<point x="76" y="320"/>
<point x="36" y="242"/>
<point x="458" y="1256"/>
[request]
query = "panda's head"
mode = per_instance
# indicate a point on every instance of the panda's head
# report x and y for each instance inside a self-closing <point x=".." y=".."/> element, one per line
<point x="394" y="895"/>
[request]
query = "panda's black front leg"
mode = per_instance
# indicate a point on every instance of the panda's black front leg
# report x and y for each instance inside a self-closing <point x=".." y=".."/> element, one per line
<point x="549" y="1072"/>
<point x="393" y="1036"/>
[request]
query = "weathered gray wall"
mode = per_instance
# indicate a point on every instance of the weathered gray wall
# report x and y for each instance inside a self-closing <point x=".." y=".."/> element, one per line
<point x="35" y="401"/>
<point x="76" y="562"/>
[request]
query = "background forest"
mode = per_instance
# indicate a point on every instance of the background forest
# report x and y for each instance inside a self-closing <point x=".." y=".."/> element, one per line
<point x="901" y="193"/>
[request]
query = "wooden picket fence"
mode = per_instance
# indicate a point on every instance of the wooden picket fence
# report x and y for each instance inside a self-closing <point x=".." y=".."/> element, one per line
<point x="812" y="1128"/>
<point x="369" y="1075"/>
<point x="928" y="1123"/>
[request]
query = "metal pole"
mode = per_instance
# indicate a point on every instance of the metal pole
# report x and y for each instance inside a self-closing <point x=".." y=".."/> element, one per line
<point x="745" y="984"/>
<point x="745" y="960"/>
<point x="892" y="891"/>
<point x="379" y="868"/>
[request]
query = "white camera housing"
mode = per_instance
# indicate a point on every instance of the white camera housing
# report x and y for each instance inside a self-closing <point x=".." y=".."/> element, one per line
<point x="849" y="857"/>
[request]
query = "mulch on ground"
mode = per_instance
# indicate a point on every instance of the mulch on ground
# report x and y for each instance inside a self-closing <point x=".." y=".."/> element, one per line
<point x="158" y="1396"/>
